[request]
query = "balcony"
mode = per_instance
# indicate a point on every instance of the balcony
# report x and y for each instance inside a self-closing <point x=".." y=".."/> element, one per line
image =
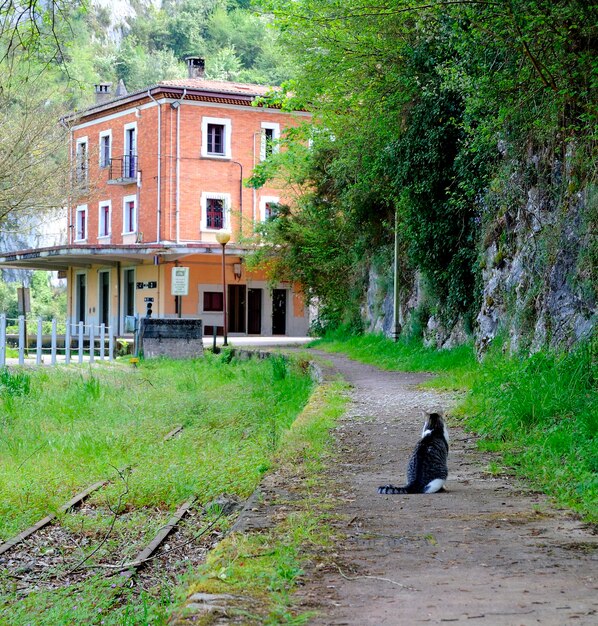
<point x="123" y="170"/>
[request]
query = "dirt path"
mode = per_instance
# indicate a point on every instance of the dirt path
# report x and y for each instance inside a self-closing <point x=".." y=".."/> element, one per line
<point x="487" y="552"/>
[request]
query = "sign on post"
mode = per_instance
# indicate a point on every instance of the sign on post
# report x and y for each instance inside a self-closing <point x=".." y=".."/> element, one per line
<point x="180" y="281"/>
<point x="24" y="297"/>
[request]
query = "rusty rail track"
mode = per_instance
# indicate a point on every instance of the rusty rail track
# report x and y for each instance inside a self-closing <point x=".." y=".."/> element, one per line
<point x="74" y="501"/>
<point x="147" y="552"/>
<point x="7" y="545"/>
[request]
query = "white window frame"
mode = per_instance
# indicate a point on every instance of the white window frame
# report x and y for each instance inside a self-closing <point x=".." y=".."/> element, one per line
<point x="266" y="200"/>
<point x="125" y="153"/>
<point x="276" y="137"/>
<point x="124" y="286"/>
<point x="81" y="210"/>
<point x="204" y="214"/>
<point x="126" y="127"/>
<point x="77" y="301"/>
<point x="127" y="199"/>
<point x="101" y="204"/>
<point x="109" y="272"/>
<point x="228" y="127"/>
<point x="82" y="141"/>
<point x="105" y="133"/>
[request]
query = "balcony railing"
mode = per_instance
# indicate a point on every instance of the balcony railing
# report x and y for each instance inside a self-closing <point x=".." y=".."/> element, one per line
<point x="123" y="170"/>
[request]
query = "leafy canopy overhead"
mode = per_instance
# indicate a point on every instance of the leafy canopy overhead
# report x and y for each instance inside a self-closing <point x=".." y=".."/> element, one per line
<point x="417" y="102"/>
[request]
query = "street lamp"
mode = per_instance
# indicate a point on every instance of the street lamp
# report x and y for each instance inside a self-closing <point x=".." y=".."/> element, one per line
<point x="222" y="237"/>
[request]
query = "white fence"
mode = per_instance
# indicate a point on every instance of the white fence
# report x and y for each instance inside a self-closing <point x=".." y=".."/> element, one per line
<point x="79" y="343"/>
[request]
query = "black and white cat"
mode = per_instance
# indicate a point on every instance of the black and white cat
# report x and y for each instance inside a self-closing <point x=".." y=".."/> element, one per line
<point x="427" y="470"/>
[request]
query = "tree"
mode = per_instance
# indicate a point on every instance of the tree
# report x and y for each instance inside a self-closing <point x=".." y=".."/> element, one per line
<point x="34" y="27"/>
<point x="34" y="170"/>
<point x="418" y="97"/>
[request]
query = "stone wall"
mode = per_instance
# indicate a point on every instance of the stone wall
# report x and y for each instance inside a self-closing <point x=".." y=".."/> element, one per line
<point x="537" y="265"/>
<point x="174" y="338"/>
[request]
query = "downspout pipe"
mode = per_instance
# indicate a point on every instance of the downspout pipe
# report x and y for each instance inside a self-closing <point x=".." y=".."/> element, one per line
<point x="178" y="166"/>
<point x="120" y="314"/>
<point x="159" y="202"/>
<point x="69" y="198"/>
<point x="240" y="198"/>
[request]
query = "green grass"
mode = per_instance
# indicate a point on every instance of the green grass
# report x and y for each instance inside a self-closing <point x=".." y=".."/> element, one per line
<point x="456" y="367"/>
<point x="75" y="426"/>
<point x="267" y="566"/>
<point x="540" y="412"/>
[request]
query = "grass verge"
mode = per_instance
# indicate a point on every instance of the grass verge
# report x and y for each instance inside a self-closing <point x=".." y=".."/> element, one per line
<point x="264" y="567"/>
<point x="539" y="412"/>
<point x="62" y="429"/>
<point x="456" y="368"/>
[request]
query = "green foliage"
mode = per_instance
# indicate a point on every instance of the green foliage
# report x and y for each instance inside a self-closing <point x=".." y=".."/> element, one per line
<point x="441" y="87"/>
<point x="543" y="412"/>
<point x="8" y="299"/>
<point x="47" y="300"/>
<point x="139" y="68"/>
<point x="237" y="44"/>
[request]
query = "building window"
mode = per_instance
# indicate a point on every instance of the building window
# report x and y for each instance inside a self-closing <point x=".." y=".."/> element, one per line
<point x="130" y="157"/>
<point x="104" y="219"/>
<point x="215" y="211"/>
<point x="105" y="148"/>
<point x="269" y="206"/>
<point x="129" y="214"/>
<point x="81" y="161"/>
<point x="270" y="137"/>
<point x="212" y="301"/>
<point x="81" y="223"/>
<point x="216" y="137"/>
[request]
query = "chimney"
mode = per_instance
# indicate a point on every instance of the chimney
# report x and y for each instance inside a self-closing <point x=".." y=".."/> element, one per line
<point x="121" y="89"/>
<point x="196" y="67"/>
<point x="103" y="92"/>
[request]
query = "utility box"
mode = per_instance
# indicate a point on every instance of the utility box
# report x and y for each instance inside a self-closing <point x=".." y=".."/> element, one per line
<point x="174" y="338"/>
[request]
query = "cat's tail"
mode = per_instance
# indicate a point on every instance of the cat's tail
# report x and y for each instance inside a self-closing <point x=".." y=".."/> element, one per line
<point x="391" y="489"/>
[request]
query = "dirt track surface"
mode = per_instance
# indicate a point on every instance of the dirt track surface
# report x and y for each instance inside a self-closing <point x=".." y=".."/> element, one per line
<point x="486" y="553"/>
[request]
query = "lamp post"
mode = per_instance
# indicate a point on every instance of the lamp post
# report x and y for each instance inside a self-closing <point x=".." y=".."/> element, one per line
<point x="222" y="237"/>
<point x="396" y="322"/>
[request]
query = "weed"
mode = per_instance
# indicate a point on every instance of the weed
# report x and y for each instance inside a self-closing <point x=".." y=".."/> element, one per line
<point x="279" y="367"/>
<point x="17" y="383"/>
<point x="494" y="468"/>
<point x="226" y="354"/>
<point x="91" y="386"/>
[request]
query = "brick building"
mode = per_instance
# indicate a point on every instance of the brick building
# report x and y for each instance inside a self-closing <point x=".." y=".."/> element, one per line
<point x="158" y="173"/>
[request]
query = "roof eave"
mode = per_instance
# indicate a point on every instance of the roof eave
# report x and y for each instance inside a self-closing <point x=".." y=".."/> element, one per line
<point x="84" y="256"/>
<point x="153" y="91"/>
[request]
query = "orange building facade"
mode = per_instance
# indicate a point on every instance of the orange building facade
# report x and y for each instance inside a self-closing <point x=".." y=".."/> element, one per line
<point x="158" y="173"/>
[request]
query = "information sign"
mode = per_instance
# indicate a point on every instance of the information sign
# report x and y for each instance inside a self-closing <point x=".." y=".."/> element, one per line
<point x="180" y="281"/>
